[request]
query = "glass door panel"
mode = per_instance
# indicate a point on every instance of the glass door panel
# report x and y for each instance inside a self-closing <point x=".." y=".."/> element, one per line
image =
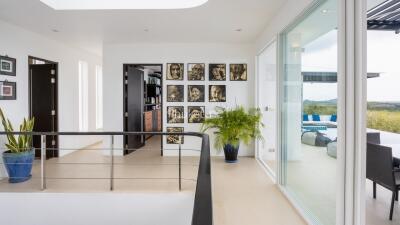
<point x="308" y="113"/>
<point x="267" y="96"/>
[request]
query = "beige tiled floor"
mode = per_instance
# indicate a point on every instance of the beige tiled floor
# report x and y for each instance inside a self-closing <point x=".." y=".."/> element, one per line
<point x="242" y="192"/>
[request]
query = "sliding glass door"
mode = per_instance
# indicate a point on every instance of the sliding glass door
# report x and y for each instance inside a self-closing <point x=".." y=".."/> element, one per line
<point x="266" y="101"/>
<point x="308" y="111"/>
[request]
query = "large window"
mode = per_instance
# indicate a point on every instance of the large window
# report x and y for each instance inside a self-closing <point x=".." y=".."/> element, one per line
<point x="99" y="97"/>
<point x="83" y="96"/>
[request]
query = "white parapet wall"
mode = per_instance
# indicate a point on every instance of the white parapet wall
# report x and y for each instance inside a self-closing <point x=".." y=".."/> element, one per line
<point x="96" y="209"/>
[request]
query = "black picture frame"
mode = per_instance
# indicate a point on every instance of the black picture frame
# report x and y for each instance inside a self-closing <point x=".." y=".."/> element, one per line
<point x="238" y="72"/>
<point x="196" y="114"/>
<point x="8" y="66"/>
<point x="181" y="67"/>
<point x="175" y="93"/>
<point x="196" y="93"/>
<point x="195" y="77"/>
<point x="220" y="69"/>
<point x="175" y="114"/>
<point x="8" y="90"/>
<point x="173" y="139"/>
<point x="217" y="93"/>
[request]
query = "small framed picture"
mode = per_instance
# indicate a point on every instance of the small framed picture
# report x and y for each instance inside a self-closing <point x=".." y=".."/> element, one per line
<point x="217" y="72"/>
<point x="175" y="93"/>
<point x="175" y="71"/>
<point x="217" y="93"/>
<point x="8" y="66"/>
<point x="196" y="114"/>
<point x="238" y="72"/>
<point x="196" y="93"/>
<point x="196" y="71"/>
<point x="175" y="114"/>
<point x="8" y="90"/>
<point x="174" y="139"/>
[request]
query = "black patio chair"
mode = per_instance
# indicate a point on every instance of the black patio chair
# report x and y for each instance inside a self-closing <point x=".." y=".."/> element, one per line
<point x="380" y="170"/>
<point x="374" y="137"/>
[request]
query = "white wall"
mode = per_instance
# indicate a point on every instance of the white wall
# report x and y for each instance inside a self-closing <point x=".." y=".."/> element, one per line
<point x="19" y="43"/>
<point x="286" y="14"/>
<point x="115" y="55"/>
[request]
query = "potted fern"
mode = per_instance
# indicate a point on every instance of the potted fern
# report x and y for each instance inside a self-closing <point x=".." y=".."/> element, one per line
<point x="234" y="126"/>
<point x="19" y="157"/>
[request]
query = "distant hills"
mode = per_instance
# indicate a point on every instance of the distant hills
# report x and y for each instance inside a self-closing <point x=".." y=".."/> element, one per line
<point x="325" y="102"/>
<point x="390" y="106"/>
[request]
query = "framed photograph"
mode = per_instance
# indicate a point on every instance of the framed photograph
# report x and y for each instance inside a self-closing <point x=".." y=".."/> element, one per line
<point x="174" y="139"/>
<point x="238" y="72"/>
<point x="217" y="72"/>
<point x="196" y="93"/>
<point x="8" y="66"/>
<point x="196" y="114"/>
<point x="175" y="114"/>
<point x="175" y="71"/>
<point x="217" y="93"/>
<point x="175" y="93"/>
<point x="196" y="71"/>
<point x="8" y="90"/>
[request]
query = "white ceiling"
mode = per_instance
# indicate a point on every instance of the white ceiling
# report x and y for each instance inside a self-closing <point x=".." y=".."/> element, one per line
<point x="215" y="21"/>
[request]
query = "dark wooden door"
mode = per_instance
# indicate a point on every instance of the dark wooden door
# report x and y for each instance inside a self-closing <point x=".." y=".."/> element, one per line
<point x="134" y="107"/>
<point x="43" y="105"/>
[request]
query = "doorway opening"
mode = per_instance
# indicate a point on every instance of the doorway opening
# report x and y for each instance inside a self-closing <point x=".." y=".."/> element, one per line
<point x="143" y="100"/>
<point x="43" y="102"/>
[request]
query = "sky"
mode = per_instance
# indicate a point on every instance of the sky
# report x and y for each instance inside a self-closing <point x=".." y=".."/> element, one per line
<point x="383" y="56"/>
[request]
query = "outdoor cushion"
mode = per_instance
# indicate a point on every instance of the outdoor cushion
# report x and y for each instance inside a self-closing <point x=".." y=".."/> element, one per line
<point x="305" y="117"/>
<point x="322" y="140"/>
<point x="315" y="139"/>
<point x="308" y="138"/>
<point x="332" y="149"/>
<point x="316" y="117"/>
<point x="333" y="118"/>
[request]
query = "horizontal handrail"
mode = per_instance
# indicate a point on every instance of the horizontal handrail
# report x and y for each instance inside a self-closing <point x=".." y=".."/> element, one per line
<point x="202" y="209"/>
<point x="103" y="133"/>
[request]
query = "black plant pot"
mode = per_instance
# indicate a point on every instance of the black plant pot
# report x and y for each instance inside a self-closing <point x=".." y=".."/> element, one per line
<point x="231" y="153"/>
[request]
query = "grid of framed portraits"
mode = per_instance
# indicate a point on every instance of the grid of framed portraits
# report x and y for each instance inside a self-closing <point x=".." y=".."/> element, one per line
<point x="197" y="92"/>
<point x="216" y="71"/>
<point x="8" y="90"/>
<point x="174" y="139"/>
<point x="8" y="66"/>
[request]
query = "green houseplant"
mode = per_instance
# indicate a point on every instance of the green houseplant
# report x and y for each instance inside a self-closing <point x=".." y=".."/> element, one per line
<point x="234" y="126"/>
<point x="19" y="157"/>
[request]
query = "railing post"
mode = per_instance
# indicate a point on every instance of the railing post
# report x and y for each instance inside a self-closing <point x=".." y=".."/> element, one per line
<point x="180" y="163"/>
<point x="42" y="162"/>
<point x="112" y="164"/>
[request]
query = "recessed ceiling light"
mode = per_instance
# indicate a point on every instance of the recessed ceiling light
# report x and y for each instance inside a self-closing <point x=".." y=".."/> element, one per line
<point x="121" y="4"/>
<point x="324" y="11"/>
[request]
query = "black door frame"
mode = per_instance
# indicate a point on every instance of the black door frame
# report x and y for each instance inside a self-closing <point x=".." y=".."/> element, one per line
<point x="125" y="69"/>
<point x="56" y="120"/>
